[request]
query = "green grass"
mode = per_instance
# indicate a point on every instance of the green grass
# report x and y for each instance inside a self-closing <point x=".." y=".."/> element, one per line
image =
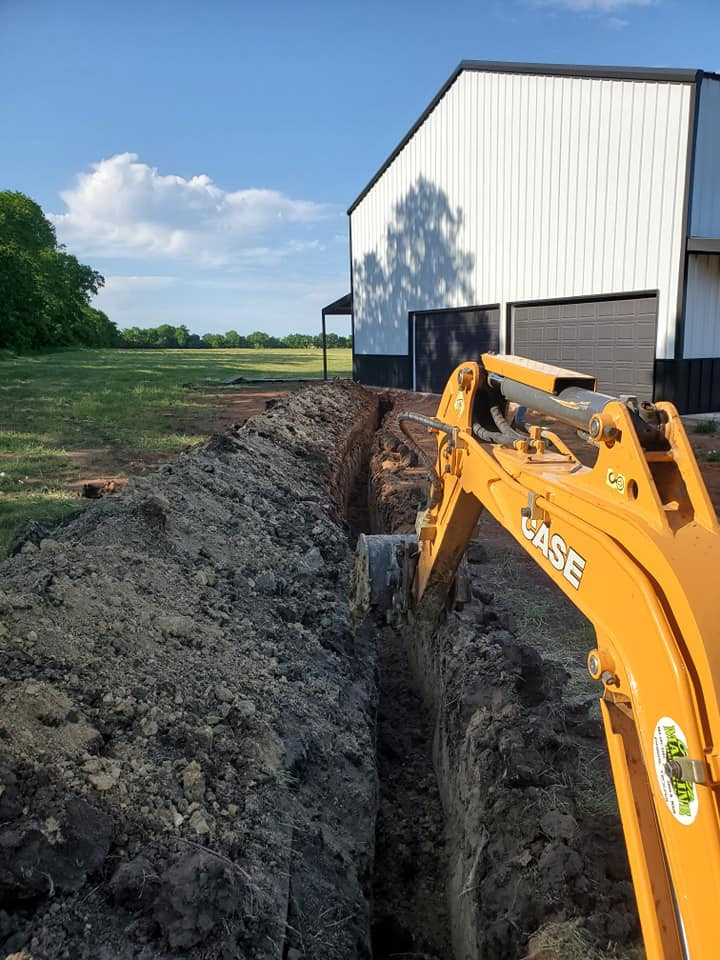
<point x="64" y="413"/>
<point x="706" y="426"/>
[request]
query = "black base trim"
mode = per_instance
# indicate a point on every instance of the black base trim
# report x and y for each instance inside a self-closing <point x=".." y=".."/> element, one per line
<point x="383" y="370"/>
<point x="692" y="385"/>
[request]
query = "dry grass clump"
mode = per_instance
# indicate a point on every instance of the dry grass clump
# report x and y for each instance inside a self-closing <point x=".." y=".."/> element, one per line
<point x="567" y="941"/>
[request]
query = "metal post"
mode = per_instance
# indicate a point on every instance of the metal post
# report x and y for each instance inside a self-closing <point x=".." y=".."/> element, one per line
<point x="324" y="341"/>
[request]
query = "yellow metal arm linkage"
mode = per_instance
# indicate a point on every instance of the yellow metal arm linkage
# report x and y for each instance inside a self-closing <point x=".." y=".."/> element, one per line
<point x="634" y="543"/>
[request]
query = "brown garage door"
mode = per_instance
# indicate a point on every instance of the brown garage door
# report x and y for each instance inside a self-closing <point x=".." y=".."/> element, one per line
<point x="442" y="339"/>
<point x="612" y="339"/>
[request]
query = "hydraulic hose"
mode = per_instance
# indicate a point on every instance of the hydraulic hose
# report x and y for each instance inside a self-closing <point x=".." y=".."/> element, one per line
<point x="432" y="423"/>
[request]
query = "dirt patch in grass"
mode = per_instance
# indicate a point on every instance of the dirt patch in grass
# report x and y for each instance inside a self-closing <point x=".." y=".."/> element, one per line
<point x="34" y="473"/>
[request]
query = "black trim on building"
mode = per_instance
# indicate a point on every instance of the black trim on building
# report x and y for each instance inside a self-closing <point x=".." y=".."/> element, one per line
<point x="645" y="74"/>
<point x="687" y="208"/>
<point x="593" y="71"/>
<point x="693" y="385"/>
<point x="352" y="295"/>
<point x="703" y="245"/>
<point x="383" y="370"/>
<point x="342" y="307"/>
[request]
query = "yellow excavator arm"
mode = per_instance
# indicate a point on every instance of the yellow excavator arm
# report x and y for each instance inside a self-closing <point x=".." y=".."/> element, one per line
<point x="634" y="542"/>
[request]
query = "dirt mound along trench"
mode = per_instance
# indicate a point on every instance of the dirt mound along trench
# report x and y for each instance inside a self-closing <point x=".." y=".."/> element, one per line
<point x="186" y="718"/>
<point x="532" y="837"/>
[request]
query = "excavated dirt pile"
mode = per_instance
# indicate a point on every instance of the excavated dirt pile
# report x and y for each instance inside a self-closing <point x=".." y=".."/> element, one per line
<point x="533" y="850"/>
<point x="186" y="718"/>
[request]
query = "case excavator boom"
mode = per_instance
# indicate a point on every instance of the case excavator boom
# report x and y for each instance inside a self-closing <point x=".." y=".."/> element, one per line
<point x="634" y="542"/>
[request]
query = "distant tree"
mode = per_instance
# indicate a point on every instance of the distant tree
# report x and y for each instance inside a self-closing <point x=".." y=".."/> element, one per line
<point x="234" y="339"/>
<point x="166" y="336"/>
<point x="258" y="339"/>
<point x="298" y="341"/>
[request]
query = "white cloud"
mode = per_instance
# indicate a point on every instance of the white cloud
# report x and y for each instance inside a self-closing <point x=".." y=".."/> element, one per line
<point x="595" y="6"/>
<point x="125" y="208"/>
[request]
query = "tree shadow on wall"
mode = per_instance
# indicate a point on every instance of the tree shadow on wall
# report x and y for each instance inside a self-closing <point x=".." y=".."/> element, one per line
<point x="423" y="269"/>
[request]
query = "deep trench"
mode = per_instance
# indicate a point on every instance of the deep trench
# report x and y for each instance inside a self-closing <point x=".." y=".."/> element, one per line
<point x="409" y="915"/>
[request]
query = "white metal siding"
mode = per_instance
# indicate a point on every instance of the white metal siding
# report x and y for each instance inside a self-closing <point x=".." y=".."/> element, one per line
<point x="705" y="213"/>
<point x="555" y="186"/>
<point x="702" y="307"/>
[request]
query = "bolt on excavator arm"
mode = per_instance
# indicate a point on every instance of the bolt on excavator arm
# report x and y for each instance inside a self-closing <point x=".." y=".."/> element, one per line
<point x="634" y="542"/>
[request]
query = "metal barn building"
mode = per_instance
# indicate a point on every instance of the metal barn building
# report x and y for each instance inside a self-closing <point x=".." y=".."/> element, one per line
<point x="569" y="214"/>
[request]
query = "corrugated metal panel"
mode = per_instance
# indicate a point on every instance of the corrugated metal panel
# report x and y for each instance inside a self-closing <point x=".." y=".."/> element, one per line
<point x="702" y="306"/>
<point x="521" y="188"/>
<point x="705" y="212"/>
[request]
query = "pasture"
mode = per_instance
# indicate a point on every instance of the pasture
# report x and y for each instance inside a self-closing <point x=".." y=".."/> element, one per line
<point x="74" y="416"/>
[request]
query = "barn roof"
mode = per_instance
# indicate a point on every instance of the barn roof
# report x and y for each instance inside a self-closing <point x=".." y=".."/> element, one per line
<point x="647" y="74"/>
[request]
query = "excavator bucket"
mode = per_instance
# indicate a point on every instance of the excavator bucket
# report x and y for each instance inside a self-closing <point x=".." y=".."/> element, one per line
<point x="382" y="576"/>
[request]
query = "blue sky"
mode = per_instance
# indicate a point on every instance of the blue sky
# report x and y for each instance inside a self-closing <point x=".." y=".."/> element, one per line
<point x="202" y="155"/>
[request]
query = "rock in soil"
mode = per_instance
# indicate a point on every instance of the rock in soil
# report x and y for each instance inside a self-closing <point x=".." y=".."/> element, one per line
<point x="186" y="718"/>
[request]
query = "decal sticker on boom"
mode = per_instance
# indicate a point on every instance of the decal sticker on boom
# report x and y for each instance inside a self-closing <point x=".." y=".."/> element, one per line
<point x="554" y="548"/>
<point x="615" y="480"/>
<point x="670" y="743"/>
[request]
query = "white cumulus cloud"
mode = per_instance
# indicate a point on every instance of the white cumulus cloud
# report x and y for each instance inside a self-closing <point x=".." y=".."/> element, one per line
<point x="126" y="208"/>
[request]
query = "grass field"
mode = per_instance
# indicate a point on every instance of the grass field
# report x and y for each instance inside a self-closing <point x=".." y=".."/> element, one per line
<point x="72" y="415"/>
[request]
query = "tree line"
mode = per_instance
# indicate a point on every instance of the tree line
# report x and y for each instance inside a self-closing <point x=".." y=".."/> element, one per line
<point x="166" y="336"/>
<point x="45" y="295"/>
<point x="45" y="292"/>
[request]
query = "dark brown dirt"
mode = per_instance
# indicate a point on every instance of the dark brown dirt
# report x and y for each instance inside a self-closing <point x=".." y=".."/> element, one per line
<point x="410" y="908"/>
<point x="532" y="835"/>
<point x="186" y="717"/>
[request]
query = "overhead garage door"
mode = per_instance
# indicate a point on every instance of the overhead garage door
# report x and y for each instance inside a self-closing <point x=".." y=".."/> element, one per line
<point x="612" y="339"/>
<point x="442" y="339"/>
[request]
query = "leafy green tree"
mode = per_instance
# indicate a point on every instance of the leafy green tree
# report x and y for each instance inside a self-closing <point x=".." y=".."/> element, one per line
<point x="166" y="336"/>
<point x="298" y="341"/>
<point x="23" y="222"/>
<point x="258" y="339"/>
<point x="20" y="300"/>
<point x="45" y="292"/>
<point x="234" y="339"/>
